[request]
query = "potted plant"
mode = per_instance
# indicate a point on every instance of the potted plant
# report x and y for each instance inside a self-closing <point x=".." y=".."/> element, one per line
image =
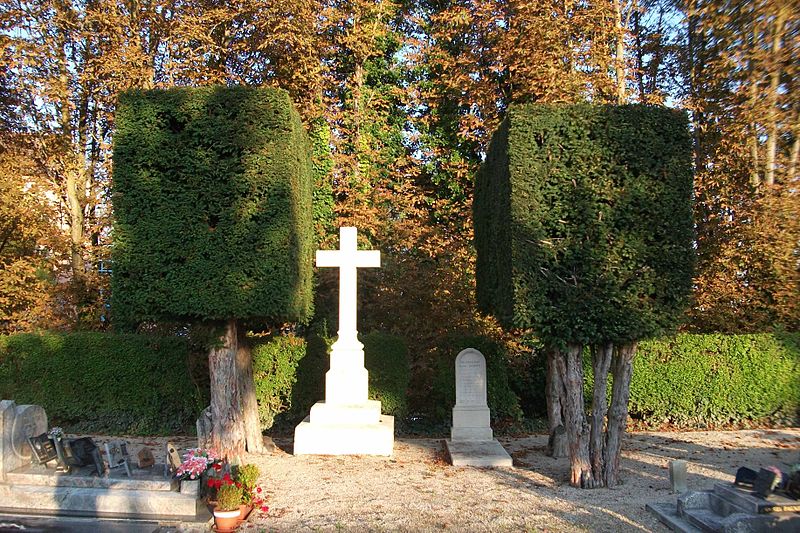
<point x="247" y="479"/>
<point x="226" y="513"/>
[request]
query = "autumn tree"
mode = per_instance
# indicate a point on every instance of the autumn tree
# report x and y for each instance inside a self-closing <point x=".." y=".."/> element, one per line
<point x="742" y="73"/>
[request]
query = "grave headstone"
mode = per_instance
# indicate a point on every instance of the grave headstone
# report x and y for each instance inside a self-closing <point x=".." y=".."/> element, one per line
<point x="347" y="422"/>
<point x="677" y="476"/>
<point x="471" y="413"/>
<point x="173" y="458"/>
<point x="17" y="424"/>
<point x="471" y="438"/>
<point x="146" y="458"/>
<point x="117" y="454"/>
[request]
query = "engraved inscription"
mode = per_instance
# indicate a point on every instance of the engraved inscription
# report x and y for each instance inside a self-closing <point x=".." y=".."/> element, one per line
<point x="471" y="379"/>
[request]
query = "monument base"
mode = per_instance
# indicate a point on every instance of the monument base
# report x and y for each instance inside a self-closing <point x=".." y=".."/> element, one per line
<point x="477" y="453"/>
<point x="313" y="438"/>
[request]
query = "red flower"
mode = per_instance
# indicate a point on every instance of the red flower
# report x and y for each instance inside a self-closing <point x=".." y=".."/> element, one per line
<point x="258" y="490"/>
<point x="227" y="478"/>
<point x="217" y="467"/>
<point x="238" y="485"/>
<point x="210" y="483"/>
<point x="264" y="508"/>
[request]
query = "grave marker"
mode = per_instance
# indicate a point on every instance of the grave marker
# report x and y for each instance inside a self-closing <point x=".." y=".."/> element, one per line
<point x="471" y="439"/>
<point x="347" y="422"/>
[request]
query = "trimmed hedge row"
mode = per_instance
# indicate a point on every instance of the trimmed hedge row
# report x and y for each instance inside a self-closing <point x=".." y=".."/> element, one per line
<point x="715" y="380"/>
<point x="106" y="383"/>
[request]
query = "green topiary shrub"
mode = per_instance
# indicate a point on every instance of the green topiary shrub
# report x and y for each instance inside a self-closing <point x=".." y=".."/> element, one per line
<point x="213" y="206"/>
<point x="503" y="402"/>
<point x="583" y="222"/>
<point x="386" y="359"/>
<point x="101" y="382"/>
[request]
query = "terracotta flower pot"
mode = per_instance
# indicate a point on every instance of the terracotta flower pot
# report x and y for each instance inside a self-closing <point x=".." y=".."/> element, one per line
<point x="226" y="521"/>
<point x="244" y="510"/>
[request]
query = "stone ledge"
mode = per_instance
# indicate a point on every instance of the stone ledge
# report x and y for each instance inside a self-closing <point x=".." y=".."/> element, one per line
<point x="82" y="501"/>
<point x="478" y="453"/>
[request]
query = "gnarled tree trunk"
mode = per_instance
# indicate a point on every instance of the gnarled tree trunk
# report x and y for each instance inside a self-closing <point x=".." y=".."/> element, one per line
<point x="601" y="363"/>
<point x="618" y="415"/>
<point x="247" y="389"/>
<point x="227" y="418"/>
<point x="570" y="370"/>
<point x="557" y="444"/>
<point x="235" y="426"/>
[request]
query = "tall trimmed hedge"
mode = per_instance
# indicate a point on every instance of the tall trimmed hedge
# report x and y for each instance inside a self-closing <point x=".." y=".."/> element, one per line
<point x="583" y="222"/>
<point x="692" y="380"/>
<point x="212" y="203"/>
<point x="100" y="382"/>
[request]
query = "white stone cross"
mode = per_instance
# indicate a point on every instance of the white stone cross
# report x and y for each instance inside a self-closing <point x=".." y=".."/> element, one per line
<point x="348" y="258"/>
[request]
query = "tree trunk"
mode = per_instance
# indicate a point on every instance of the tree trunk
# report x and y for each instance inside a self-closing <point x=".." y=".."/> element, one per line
<point x="618" y="415"/>
<point x="228" y="429"/>
<point x="570" y="370"/>
<point x="557" y="444"/>
<point x="772" y="96"/>
<point x="252" y="424"/>
<point x="619" y="58"/>
<point x="601" y="363"/>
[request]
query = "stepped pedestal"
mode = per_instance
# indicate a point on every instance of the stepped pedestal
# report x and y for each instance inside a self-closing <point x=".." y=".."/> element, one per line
<point x="728" y="508"/>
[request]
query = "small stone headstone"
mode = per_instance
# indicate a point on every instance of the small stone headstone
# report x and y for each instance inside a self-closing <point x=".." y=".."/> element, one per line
<point x="765" y="483"/>
<point x="472" y="442"/>
<point x="117" y="454"/>
<point x="17" y="424"/>
<point x="677" y="476"/>
<point x="471" y="413"/>
<point x="146" y="458"/>
<point x="173" y="459"/>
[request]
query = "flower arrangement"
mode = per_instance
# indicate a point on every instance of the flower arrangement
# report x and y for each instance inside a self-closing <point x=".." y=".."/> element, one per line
<point x="195" y="463"/>
<point x="56" y="433"/>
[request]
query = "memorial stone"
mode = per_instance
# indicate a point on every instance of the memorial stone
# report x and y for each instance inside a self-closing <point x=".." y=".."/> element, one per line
<point x="472" y="442"/>
<point x="17" y="424"/>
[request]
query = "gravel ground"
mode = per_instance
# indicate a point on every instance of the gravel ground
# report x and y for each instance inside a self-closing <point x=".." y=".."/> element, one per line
<point x="417" y="490"/>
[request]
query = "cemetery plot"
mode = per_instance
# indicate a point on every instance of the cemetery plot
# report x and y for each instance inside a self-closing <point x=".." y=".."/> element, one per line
<point x="31" y="484"/>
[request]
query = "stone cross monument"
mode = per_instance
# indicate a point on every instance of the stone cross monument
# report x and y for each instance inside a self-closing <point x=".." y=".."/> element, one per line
<point x="346" y="423"/>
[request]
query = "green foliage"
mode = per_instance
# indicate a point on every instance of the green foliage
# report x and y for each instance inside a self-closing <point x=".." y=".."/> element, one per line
<point x="707" y="380"/>
<point x="274" y="372"/>
<point x="322" y="164"/>
<point x="386" y="359"/>
<point x="100" y="382"/>
<point x="229" y="498"/>
<point x="583" y="222"/>
<point x="247" y="475"/>
<point x="503" y="402"/>
<point x="213" y="205"/>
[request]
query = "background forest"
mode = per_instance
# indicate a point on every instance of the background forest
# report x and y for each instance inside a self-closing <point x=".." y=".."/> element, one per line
<point x="400" y="100"/>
